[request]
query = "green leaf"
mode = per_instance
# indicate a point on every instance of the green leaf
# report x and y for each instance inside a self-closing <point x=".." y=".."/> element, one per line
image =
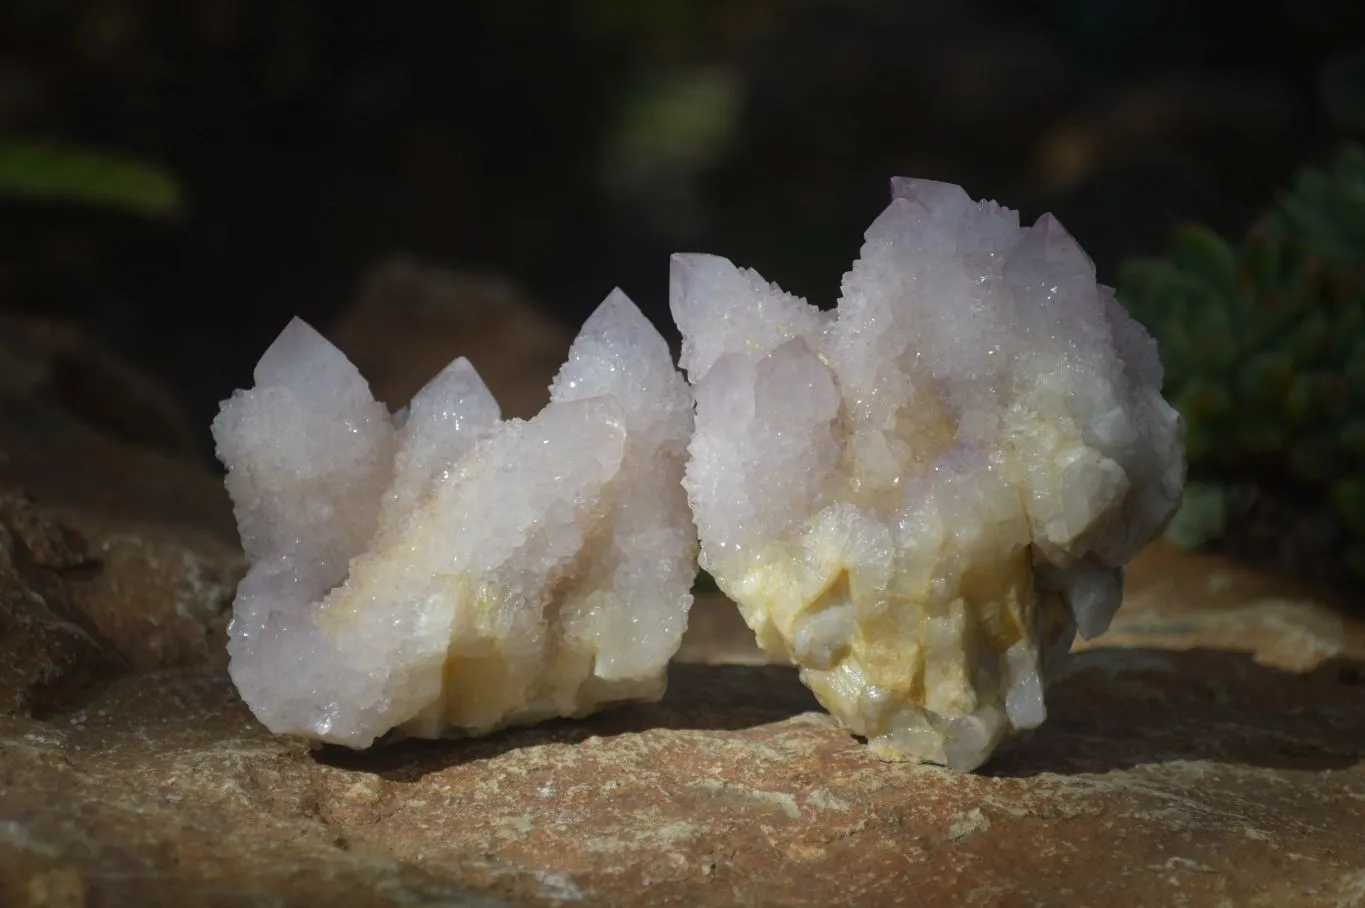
<point x="1203" y="253"/>
<point x="1269" y="320"/>
<point x="674" y="123"/>
<point x="1310" y="340"/>
<point x="1200" y="440"/>
<point x="1202" y="516"/>
<point x="1299" y="402"/>
<point x="1214" y="341"/>
<point x="1305" y="206"/>
<point x="1350" y="327"/>
<point x="1350" y="163"/>
<point x="1261" y="261"/>
<point x="1354" y="373"/>
<point x="32" y="170"/>
<point x="1266" y="378"/>
<point x="1332" y="392"/>
<point x="1205" y="402"/>
<point x="1316" y="397"/>
<point x="1178" y="351"/>
<point x="1261" y="436"/>
<point x="1349" y="213"/>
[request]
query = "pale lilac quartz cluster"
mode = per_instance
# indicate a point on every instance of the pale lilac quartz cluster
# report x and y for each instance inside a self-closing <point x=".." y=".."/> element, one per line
<point x="920" y="497"/>
<point x="441" y="570"/>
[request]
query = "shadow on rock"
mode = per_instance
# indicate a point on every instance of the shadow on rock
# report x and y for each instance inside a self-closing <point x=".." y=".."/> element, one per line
<point x="1119" y="708"/>
<point x="700" y="697"/>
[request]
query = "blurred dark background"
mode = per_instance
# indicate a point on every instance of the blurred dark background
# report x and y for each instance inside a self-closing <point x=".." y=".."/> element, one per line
<point x="572" y="146"/>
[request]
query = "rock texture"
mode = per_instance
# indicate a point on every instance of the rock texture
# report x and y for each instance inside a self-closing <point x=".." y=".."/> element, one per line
<point x="411" y="319"/>
<point x="116" y="548"/>
<point x="57" y="362"/>
<point x="1178" y="771"/>
<point x="1208" y="751"/>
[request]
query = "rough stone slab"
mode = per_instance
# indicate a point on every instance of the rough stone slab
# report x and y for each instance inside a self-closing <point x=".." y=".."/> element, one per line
<point x="1162" y="778"/>
<point x="84" y="598"/>
<point x="48" y="359"/>
<point x="1210" y="753"/>
<point x="410" y="319"/>
<point x="1178" y="600"/>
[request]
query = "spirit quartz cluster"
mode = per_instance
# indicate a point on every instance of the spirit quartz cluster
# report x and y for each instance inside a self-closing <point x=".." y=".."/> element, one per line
<point x="441" y="569"/>
<point x="917" y="498"/>
<point x="920" y="497"/>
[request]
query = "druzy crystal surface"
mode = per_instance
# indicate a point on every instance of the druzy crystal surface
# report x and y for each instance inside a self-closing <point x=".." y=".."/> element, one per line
<point x="442" y="570"/>
<point x="920" y="497"/>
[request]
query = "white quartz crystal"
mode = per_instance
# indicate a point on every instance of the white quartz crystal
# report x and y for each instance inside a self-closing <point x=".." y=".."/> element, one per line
<point x="443" y="570"/>
<point x="919" y="498"/>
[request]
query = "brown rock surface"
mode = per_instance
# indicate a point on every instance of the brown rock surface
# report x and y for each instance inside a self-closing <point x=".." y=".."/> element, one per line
<point x="411" y="320"/>
<point x="1164" y="776"/>
<point x="83" y="431"/>
<point x="1176" y="600"/>
<point x="49" y="650"/>
<point x="117" y="550"/>
<point x="43" y="358"/>
<point x="1209" y="751"/>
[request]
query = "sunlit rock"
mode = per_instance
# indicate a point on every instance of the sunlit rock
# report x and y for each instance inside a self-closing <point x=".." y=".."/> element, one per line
<point x="920" y="497"/>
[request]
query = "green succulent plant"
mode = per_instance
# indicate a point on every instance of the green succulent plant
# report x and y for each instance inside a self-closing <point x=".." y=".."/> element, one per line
<point x="1264" y="348"/>
<point x="43" y="172"/>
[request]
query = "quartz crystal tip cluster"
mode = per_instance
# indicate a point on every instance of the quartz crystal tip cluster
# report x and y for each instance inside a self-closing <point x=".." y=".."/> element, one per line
<point x="440" y="569"/>
<point x="920" y="497"/>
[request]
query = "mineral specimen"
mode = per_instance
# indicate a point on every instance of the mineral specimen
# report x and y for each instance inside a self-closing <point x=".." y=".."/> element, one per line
<point x="920" y="497"/>
<point x="441" y="570"/>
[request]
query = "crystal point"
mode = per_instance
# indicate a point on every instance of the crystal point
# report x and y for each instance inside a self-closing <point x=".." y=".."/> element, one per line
<point x="447" y="571"/>
<point x="919" y="498"/>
